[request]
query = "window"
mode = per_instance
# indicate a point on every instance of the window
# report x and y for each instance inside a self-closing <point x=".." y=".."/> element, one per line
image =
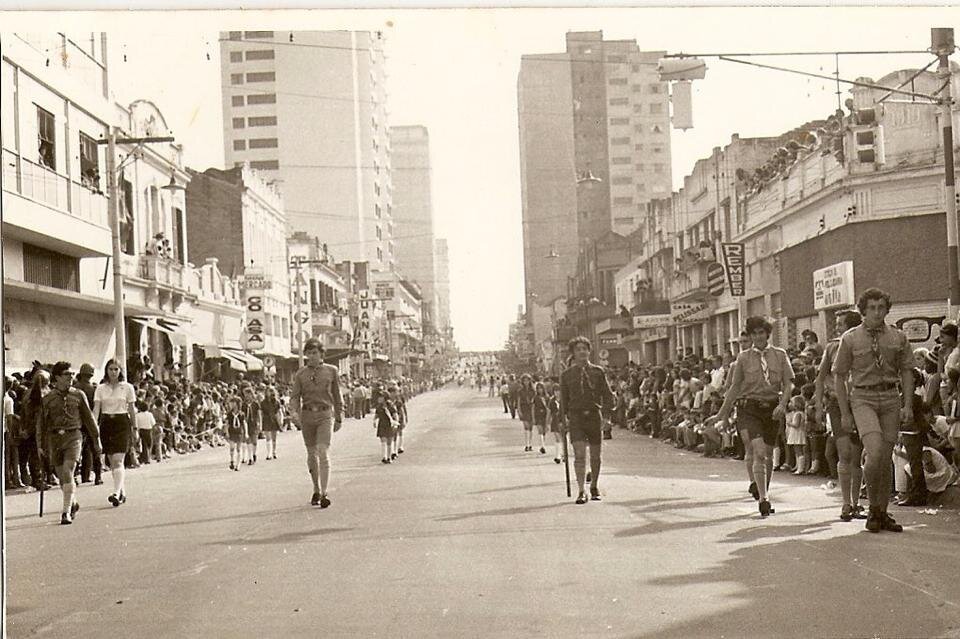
<point x="239" y="145"/>
<point x="620" y="161"/>
<point x="638" y="108"/>
<point x="49" y="268"/>
<point x="623" y="220"/>
<point x="623" y="179"/>
<point x="262" y="76"/>
<point x="236" y="35"/>
<point x="619" y="101"/>
<point x="654" y="88"/>
<point x="46" y="139"/>
<point x="658" y="168"/>
<point x="656" y="108"/>
<point x="641" y="187"/>
<point x="637" y="88"/>
<point x="262" y="98"/>
<point x="639" y="128"/>
<point x="285" y="326"/>
<point x="236" y="78"/>
<point x="260" y="54"/>
<point x="620" y="140"/>
<point x="236" y="56"/>
<point x="379" y="233"/>
<point x="379" y="254"/>
<point x="236" y="100"/>
<point x="623" y="201"/>
<point x="89" y="163"/>
<point x="618" y="81"/>
<point x="635" y="68"/>
<point x="658" y="149"/>
<point x="638" y="147"/>
<point x="639" y="167"/>
<point x="257" y="34"/>
<point x="238" y="123"/>
<point x="268" y="323"/>
<point x="277" y="326"/>
<point x="376" y="210"/>
<point x="618" y="121"/>
<point x="269" y="165"/>
<point x="266" y="120"/>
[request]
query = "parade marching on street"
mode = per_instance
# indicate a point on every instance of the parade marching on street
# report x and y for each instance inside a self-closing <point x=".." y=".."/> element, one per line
<point x="703" y="383"/>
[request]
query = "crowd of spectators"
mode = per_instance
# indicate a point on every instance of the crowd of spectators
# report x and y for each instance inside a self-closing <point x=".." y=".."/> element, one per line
<point x="187" y="416"/>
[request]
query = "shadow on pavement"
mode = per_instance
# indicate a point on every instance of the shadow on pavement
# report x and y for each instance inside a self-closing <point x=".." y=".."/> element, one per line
<point x="505" y="512"/>
<point x="254" y="515"/>
<point x="283" y="538"/>
<point x="511" y="488"/>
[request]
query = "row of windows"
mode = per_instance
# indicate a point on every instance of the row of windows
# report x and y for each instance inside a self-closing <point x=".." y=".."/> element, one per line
<point x="255" y="143"/>
<point x="47" y="150"/>
<point x="49" y="268"/>
<point x="253" y="54"/>
<point x="636" y="88"/>
<point x="257" y="120"/>
<point x="254" y="98"/>
<point x="250" y="35"/>
<point x="268" y="165"/>
<point x="656" y="166"/>
<point x="253" y="76"/>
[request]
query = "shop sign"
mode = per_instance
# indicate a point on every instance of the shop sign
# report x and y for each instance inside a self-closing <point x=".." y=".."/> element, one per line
<point x="689" y="312"/>
<point x="610" y="340"/>
<point x="255" y="282"/>
<point x="254" y="333"/>
<point x="655" y="334"/>
<point x="650" y="321"/>
<point x="833" y="286"/>
<point x="733" y="259"/>
<point x="383" y="290"/>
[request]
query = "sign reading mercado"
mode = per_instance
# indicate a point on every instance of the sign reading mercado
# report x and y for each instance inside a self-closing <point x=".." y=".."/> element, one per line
<point x="833" y="286"/>
<point x="733" y="258"/>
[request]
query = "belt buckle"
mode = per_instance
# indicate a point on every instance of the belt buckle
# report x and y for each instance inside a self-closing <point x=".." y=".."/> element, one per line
<point x="60" y="432"/>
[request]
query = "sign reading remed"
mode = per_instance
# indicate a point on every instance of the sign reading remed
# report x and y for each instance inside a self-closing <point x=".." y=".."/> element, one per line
<point x="733" y="254"/>
<point x="833" y="286"/>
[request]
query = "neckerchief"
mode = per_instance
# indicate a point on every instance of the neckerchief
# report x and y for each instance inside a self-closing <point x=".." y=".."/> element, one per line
<point x="764" y="366"/>
<point x="875" y="334"/>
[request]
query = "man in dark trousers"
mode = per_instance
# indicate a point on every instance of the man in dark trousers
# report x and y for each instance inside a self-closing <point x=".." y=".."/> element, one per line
<point x="584" y="394"/>
<point x="88" y="459"/>
<point x="514" y="386"/>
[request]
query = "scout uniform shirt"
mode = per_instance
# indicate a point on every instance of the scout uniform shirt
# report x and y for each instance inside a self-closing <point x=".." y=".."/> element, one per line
<point x="317" y="386"/>
<point x="826" y="365"/>
<point x="62" y="411"/>
<point x="874" y="358"/>
<point x="761" y="374"/>
<point x="584" y="389"/>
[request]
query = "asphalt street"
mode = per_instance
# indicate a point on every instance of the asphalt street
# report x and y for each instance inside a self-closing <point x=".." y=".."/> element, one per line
<point x="468" y="536"/>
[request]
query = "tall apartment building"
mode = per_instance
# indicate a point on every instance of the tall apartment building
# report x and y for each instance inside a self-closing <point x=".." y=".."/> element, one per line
<point x="413" y="213"/>
<point x="594" y="130"/>
<point x="309" y="109"/>
<point x="442" y="254"/>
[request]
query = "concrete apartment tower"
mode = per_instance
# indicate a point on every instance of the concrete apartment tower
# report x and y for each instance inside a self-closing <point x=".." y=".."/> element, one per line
<point x="308" y="108"/>
<point x="442" y="256"/>
<point x="413" y="212"/>
<point x="594" y="149"/>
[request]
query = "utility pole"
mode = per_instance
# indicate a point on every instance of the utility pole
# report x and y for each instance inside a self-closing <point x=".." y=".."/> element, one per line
<point x="297" y="280"/>
<point x="942" y="45"/>
<point x="113" y="214"/>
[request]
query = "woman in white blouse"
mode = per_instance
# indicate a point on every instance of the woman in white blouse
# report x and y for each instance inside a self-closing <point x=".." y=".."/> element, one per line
<point x="114" y="408"/>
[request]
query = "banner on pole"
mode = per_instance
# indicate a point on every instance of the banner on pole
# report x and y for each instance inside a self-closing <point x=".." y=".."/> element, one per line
<point x="733" y="259"/>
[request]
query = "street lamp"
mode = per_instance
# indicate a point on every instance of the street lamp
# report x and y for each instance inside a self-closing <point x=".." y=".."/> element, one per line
<point x="172" y="186"/>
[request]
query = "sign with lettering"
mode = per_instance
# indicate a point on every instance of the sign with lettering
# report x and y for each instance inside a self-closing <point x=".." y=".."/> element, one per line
<point x="255" y="282"/>
<point x="833" y="286"/>
<point x="651" y="321"/>
<point x="733" y="259"/>
<point x="610" y="340"/>
<point x="383" y="290"/>
<point x="254" y="335"/>
<point x="689" y="312"/>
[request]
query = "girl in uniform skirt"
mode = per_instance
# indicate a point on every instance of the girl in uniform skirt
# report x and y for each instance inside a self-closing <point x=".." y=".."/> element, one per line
<point x="400" y="404"/>
<point x="272" y="419"/>
<point x="540" y="414"/>
<point x="236" y="427"/>
<point x="553" y="417"/>
<point x="114" y="407"/>
<point x="251" y="409"/>
<point x="385" y="419"/>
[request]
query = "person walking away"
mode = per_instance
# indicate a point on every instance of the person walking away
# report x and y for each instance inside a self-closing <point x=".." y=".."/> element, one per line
<point x="525" y="396"/>
<point x="514" y="387"/>
<point x="400" y="404"/>
<point x="870" y="360"/>
<point x="385" y="421"/>
<point x="88" y="461"/>
<point x="584" y="393"/>
<point x="761" y="385"/>
<point x="63" y="414"/>
<point x="540" y="414"/>
<point x="272" y="418"/>
<point x="236" y="428"/>
<point x="254" y="423"/>
<point x="315" y="404"/>
<point x="847" y="441"/>
<point x="555" y="419"/>
<point x="114" y="408"/>
<point x="505" y="395"/>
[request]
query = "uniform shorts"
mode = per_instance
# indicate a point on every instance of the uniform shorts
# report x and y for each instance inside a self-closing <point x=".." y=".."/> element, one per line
<point x="586" y="427"/>
<point x="65" y="449"/>
<point x="316" y="427"/>
<point x="757" y="419"/>
<point x="833" y="410"/>
<point x="876" y="412"/>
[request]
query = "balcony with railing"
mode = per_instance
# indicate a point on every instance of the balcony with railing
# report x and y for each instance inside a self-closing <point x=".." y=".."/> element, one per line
<point x="53" y="205"/>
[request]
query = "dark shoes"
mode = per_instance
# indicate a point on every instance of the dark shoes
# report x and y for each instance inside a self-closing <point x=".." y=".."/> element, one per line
<point x="764" y="508"/>
<point x="913" y="502"/>
<point x="315" y="500"/>
<point x="232" y="467"/>
<point x="393" y="456"/>
<point x="384" y="461"/>
<point x="400" y="450"/>
<point x="846" y="513"/>
<point x="877" y="521"/>
<point x="581" y="498"/>
<point x="890" y="524"/>
<point x="594" y="494"/>
<point x="73" y="509"/>
<point x="65" y="519"/>
<point x="324" y="502"/>
<point x="858" y="512"/>
<point x="754" y="491"/>
<point x="113" y="499"/>
<point x="556" y="460"/>
<point x="608" y="435"/>
<point x="543" y="450"/>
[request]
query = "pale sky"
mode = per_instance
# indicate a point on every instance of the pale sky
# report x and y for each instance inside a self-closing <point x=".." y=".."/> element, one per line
<point x="455" y="72"/>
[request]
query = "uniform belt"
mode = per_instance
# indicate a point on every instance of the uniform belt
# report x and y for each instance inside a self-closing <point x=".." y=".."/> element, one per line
<point x="316" y="407"/>
<point x="62" y="431"/>
<point x="882" y="386"/>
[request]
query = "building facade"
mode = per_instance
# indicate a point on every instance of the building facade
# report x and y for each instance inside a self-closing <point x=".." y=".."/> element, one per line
<point x="309" y="108"/>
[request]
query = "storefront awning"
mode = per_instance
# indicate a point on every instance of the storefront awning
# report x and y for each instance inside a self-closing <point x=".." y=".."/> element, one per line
<point x="239" y="360"/>
<point x="252" y="362"/>
<point x="177" y="333"/>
